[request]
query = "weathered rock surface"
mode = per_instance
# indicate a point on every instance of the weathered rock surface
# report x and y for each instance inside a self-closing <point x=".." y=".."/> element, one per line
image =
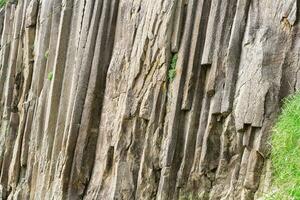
<point x="87" y="111"/>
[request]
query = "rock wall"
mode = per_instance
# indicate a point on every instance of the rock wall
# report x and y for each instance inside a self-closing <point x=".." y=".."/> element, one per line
<point x="90" y="108"/>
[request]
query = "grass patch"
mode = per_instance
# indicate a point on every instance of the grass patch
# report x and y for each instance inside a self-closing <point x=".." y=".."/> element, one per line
<point x="2" y="3"/>
<point x="285" y="154"/>
<point x="172" y="68"/>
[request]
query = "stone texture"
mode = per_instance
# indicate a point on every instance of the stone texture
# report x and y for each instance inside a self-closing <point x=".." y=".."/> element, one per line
<point x="87" y="110"/>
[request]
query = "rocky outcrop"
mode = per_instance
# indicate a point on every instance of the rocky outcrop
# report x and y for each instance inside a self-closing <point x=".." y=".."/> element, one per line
<point x="89" y="109"/>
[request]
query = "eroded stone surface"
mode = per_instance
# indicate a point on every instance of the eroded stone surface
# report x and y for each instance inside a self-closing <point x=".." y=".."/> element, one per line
<point x="87" y="109"/>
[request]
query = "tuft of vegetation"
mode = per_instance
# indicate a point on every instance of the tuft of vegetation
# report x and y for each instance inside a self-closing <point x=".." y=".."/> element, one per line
<point x="2" y="3"/>
<point x="50" y="76"/>
<point x="172" y="68"/>
<point x="285" y="154"/>
<point x="47" y="54"/>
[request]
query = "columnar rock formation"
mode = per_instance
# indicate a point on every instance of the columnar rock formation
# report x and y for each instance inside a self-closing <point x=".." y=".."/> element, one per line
<point x="88" y="110"/>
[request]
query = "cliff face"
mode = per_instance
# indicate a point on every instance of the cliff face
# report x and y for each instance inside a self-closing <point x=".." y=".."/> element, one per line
<point x="90" y="108"/>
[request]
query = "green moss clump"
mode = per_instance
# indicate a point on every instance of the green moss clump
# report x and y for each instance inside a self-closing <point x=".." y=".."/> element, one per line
<point x="172" y="68"/>
<point x="285" y="154"/>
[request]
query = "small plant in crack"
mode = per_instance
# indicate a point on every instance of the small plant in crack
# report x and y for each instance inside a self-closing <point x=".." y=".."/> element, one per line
<point x="50" y="76"/>
<point x="172" y="68"/>
<point x="47" y="54"/>
<point x="2" y="3"/>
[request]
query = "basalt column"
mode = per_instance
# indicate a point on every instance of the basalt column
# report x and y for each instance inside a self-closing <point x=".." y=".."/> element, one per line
<point x="143" y="99"/>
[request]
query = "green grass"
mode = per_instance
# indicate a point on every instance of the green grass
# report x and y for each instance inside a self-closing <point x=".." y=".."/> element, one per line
<point x="2" y="3"/>
<point x="286" y="151"/>
<point x="172" y="68"/>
